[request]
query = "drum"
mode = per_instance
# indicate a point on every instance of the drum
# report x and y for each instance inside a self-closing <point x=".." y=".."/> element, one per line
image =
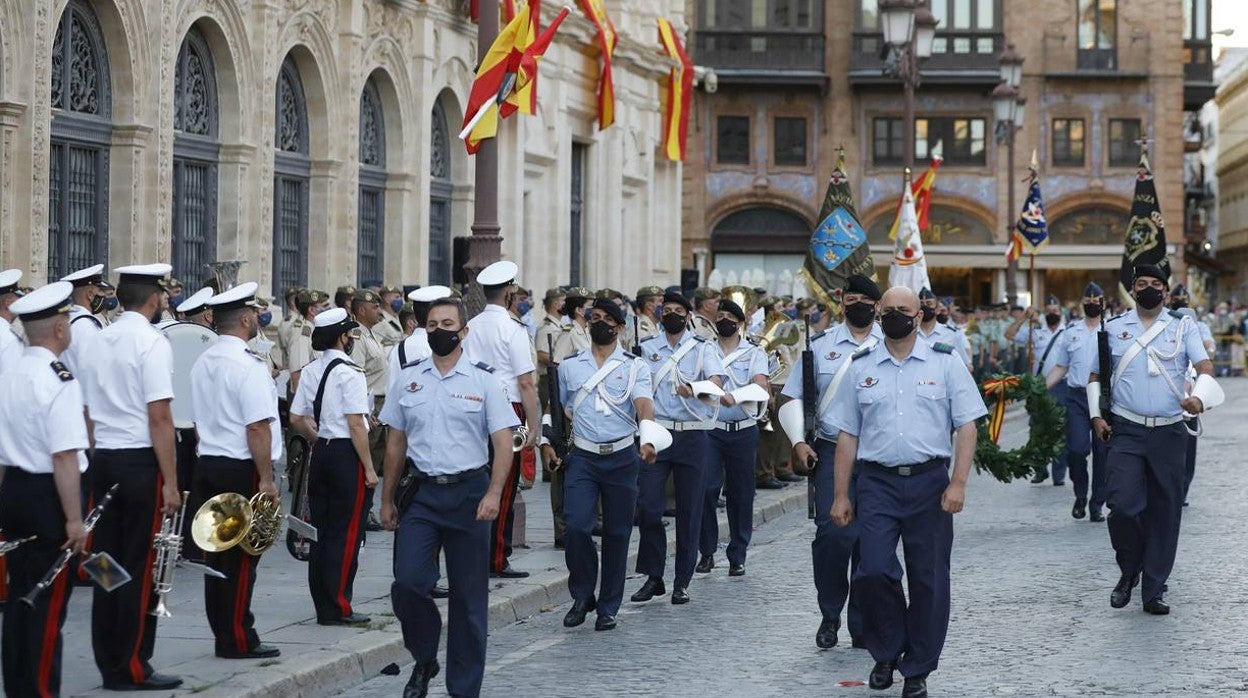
<point x="188" y="341"/>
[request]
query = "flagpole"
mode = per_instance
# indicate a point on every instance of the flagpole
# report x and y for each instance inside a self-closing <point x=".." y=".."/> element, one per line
<point x="1031" y="325"/>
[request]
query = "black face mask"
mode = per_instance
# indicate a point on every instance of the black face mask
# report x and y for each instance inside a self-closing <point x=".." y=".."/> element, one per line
<point x="1149" y="298"/>
<point x="860" y="314"/>
<point x="97" y="305"/>
<point x="726" y="328"/>
<point x="443" y="341"/>
<point x="673" y="323"/>
<point x="1175" y="305"/>
<point x="942" y="318"/>
<point x="602" y="334"/>
<point x="896" y="324"/>
<point x="928" y="313"/>
<point x="1052" y="318"/>
<point x="1092" y="309"/>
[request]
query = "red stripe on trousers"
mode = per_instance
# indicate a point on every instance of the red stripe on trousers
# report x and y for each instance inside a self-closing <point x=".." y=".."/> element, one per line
<point x="505" y="503"/>
<point x="136" y="666"/>
<point x="86" y="548"/>
<point x="51" y="629"/>
<point x="353" y="543"/>
<point x="242" y="600"/>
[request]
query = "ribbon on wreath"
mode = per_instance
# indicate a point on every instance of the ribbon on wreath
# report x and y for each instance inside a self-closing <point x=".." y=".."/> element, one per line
<point x="998" y="387"/>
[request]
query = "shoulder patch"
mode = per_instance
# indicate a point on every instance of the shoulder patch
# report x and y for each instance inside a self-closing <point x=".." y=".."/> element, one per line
<point x="483" y="366"/>
<point x="860" y="352"/>
<point x="307" y="330"/>
<point x="942" y="348"/>
<point x="61" y="372"/>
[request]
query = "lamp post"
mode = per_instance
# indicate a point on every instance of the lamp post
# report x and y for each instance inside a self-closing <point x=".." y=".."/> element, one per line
<point x="909" y="31"/>
<point x="485" y="243"/>
<point x="1009" y="108"/>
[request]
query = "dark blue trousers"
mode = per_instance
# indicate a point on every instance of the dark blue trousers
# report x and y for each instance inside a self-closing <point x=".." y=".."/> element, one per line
<point x="611" y="479"/>
<point x="1060" y="464"/>
<point x="834" y="551"/>
<point x="1145" y="493"/>
<point x="730" y="465"/>
<point x="893" y="507"/>
<point x="339" y="503"/>
<point x="1079" y="443"/>
<point x="444" y="518"/>
<point x="685" y="460"/>
<point x="1190" y="471"/>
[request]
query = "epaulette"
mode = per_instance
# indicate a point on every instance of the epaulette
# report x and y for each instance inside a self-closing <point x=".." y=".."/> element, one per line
<point x="483" y="366"/>
<point x="699" y="338"/>
<point x="395" y="325"/>
<point x="518" y="321"/>
<point x="1114" y="318"/>
<point x="255" y="356"/>
<point x="860" y="352"/>
<point x="942" y="348"/>
<point x="1176" y="314"/>
<point x="820" y="334"/>
<point x="307" y="330"/>
<point x="61" y="372"/>
<point x="353" y="365"/>
<point x="574" y="354"/>
<point x="412" y="363"/>
<point x="754" y="341"/>
<point x="630" y="355"/>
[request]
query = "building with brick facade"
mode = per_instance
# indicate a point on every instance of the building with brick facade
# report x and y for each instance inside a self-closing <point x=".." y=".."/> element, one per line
<point x="1232" y="176"/>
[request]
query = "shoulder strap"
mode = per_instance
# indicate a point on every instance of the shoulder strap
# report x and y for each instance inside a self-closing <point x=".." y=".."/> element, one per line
<point x="403" y="352"/>
<point x="320" y="389"/>
<point x="92" y="318"/>
<point x="1138" y="346"/>
<point x="673" y="361"/>
<point x="740" y="352"/>
<point x="1047" y="349"/>
<point x="825" y="400"/>
<point x="599" y="376"/>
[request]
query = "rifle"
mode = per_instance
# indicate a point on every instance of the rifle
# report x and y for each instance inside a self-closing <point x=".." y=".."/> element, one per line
<point x="1105" y="369"/>
<point x="810" y="397"/>
<point x="636" y="337"/>
<point x="557" y="432"/>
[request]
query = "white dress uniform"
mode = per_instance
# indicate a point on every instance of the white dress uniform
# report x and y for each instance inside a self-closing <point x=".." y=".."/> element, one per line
<point x="496" y="339"/>
<point x="10" y="345"/>
<point x="416" y="346"/>
<point x="81" y="321"/>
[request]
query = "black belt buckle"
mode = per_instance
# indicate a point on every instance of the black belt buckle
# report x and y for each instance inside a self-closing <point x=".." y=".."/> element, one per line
<point x="905" y="471"/>
<point x="606" y="449"/>
<point x="445" y="479"/>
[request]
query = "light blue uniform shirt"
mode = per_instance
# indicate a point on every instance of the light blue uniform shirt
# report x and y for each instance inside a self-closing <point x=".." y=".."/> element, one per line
<point x="606" y="413"/>
<point x="831" y="349"/>
<point x="448" y="419"/>
<point x="1077" y="352"/>
<point x="950" y="336"/>
<point x="699" y="363"/>
<point x="1138" y="391"/>
<point x="903" y="412"/>
<point x="1044" y="335"/>
<point x="752" y="362"/>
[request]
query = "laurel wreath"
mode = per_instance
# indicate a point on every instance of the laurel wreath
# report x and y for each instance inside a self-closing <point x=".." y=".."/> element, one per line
<point x="1048" y="428"/>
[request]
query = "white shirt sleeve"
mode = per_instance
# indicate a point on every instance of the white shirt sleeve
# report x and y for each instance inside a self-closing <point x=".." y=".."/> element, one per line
<point x="354" y="392"/>
<point x="304" y="396"/>
<point x="520" y="349"/>
<point x="255" y="397"/>
<point x="66" y="430"/>
<point x="158" y="372"/>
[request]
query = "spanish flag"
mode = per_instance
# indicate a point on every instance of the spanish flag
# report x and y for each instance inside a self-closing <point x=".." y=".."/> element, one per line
<point x="596" y="12"/>
<point x="679" y="93"/>
<point x="511" y="9"/>
<point x="922" y="193"/>
<point x="493" y="82"/>
<point x="524" y="98"/>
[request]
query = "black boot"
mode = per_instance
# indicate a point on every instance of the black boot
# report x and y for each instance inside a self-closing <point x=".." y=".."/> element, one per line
<point x="422" y="674"/>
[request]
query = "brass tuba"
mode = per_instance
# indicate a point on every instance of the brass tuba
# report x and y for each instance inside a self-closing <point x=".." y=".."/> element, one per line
<point x="230" y="519"/>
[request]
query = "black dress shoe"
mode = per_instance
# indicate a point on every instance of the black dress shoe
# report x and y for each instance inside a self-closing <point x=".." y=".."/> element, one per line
<point x="790" y="477"/>
<point x="1040" y="476"/>
<point x="858" y="644"/>
<point x="260" y="651"/>
<point x="440" y="592"/>
<point x="373" y="524"/>
<point x="155" y="682"/>
<point x="418" y="685"/>
<point x="1080" y="509"/>
<point x="1095" y="515"/>
<point x="559" y="544"/>
<point x="721" y="503"/>
<point x="652" y="588"/>
<point x="825" y="636"/>
<point x="916" y="687"/>
<point x="1058" y="483"/>
<point x="1157" y="607"/>
<point x="597" y="532"/>
<point x="605" y="623"/>
<point x="737" y="570"/>
<point x="679" y="596"/>
<point x="576" y="614"/>
<point x="705" y="564"/>
<point x="881" y="675"/>
<point x="770" y="484"/>
<point x="353" y="619"/>
<point x="1121" y="595"/>
<point x="669" y="513"/>
<point x="509" y="572"/>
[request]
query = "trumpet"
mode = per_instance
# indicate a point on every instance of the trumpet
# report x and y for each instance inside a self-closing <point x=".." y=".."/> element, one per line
<point x="228" y="520"/>
<point x="168" y="546"/>
<point x="519" y="437"/>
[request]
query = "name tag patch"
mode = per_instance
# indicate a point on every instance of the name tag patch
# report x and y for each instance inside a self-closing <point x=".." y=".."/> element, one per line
<point x="473" y="398"/>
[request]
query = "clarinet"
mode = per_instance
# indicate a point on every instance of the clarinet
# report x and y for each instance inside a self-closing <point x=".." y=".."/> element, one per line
<point x="53" y="572"/>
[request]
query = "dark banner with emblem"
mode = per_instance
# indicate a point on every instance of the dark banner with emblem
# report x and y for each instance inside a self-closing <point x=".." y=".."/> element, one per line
<point x="838" y="246"/>
<point x="1146" y="232"/>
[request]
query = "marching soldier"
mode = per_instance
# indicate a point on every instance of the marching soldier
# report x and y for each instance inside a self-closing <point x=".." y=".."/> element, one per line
<point x="87" y="301"/>
<point x="733" y="444"/>
<point x="705" y="309"/>
<point x="42" y="457"/>
<point x="676" y="358"/>
<point x="834" y="551"/>
<point x="895" y="411"/>
<point x="1147" y="439"/>
<point x="331" y="409"/>
<point x="300" y="351"/>
<point x="235" y="405"/>
<point x="10" y="346"/>
<point x="128" y="389"/>
<point x="416" y="345"/>
<point x="933" y="332"/>
<point x="389" y="331"/>
<point x="451" y="429"/>
<point x="503" y="343"/>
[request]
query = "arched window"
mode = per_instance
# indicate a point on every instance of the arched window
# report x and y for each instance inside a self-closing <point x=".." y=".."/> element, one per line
<point x="372" y="187"/>
<point x="195" y="150"/>
<point x="439" y="199"/>
<point x="291" y="171"/>
<point x="81" y="132"/>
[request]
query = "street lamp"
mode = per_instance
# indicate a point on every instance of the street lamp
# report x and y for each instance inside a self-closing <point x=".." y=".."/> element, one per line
<point x="909" y="31"/>
<point x="1009" y="107"/>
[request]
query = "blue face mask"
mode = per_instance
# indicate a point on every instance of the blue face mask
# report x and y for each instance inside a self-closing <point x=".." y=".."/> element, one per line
<point x="110" y="303"/>
<point x="177" y="300"/>
<point x="815" y="317"/>
<point x="265" y="318"/>
<point x="586" y="312"/>
<point x="791" y="313"/>
<point x="396" y="304"/>
<point x="657" y="313"/>
<point x="524" y="307"/>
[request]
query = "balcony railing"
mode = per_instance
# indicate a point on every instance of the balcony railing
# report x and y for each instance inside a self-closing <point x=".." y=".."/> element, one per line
<point x="955" y="55"/>
<point x="760" y="51"/>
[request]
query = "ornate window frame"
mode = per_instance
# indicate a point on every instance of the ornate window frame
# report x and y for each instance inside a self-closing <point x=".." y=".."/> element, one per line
<point x="195" y="145"/>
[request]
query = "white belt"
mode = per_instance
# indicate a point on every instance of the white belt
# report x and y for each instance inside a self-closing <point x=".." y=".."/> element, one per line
<point x="602" y="449"/>
<point x="1145" y="421"/>
<point x="685" y="426"/>
<point x="739" y="425"/>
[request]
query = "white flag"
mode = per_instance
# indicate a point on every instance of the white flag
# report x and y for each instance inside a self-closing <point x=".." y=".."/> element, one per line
<point x="909" y="268"/>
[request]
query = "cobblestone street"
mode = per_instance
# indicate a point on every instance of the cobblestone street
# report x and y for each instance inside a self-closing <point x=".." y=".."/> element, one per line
<point x="1031" y="613"/>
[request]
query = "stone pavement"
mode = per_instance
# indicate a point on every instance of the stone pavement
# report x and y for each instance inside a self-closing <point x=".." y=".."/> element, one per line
<point x="1031" y="613"/>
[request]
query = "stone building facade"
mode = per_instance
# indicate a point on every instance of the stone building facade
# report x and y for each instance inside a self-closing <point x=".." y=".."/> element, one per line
<point x="1232" y="177"/>
<point x="799" y="79"/>
<point x="315" y="139"/>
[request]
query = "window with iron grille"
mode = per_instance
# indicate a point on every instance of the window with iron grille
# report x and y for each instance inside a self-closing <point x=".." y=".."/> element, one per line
<point x="292" y="170"/>
<point x="1124" y="148"/>
<point x="577" y="213"/>
<point x="1068" y="142"/>
<point x="440" y="188"/>
<point x="81" y="133"/>
<point x="195" y="153"/>
<point x="733" y="140"/>
<point x="372" y="203"/>
<point x="790" y="141"/>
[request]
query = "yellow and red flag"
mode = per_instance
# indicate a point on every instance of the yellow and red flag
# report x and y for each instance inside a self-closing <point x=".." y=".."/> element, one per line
<point x="511" y="8"/>
<point x="524" y="98"/>
<point x="501" y="61"/>
<point x="1014" y="250"/>
<point x="596" y="12"/>
<point x="921" y="190"/>
<point x="679" y="93"/>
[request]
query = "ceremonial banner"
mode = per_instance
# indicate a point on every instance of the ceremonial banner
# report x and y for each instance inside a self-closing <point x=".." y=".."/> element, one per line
<point x="1014" y="249"/>
<point x="838" y="246"/>
<point x="1146" y="231"/>
<point x="511" y="8"/>
<point x="922" y="191"/>
<point x="908" y="269"/>
<point x="596" y="12"/>
<point x="524" y="98"/>
<point x="679" y="94"/>
<point x="1032" y="227"/>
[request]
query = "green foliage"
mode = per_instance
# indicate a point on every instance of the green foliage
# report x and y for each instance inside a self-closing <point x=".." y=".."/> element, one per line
<point x="1046" y="441"/>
